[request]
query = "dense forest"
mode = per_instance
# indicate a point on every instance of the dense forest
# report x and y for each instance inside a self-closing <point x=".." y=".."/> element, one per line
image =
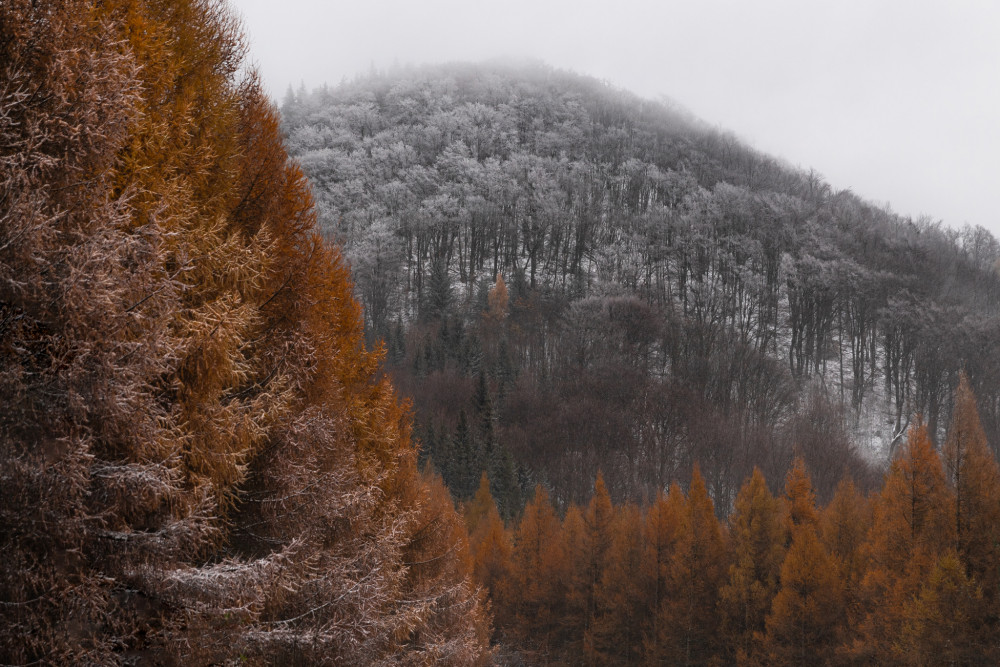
<point x="199" y="463"/>
<point x="673" y="401"/>
<point x="569" y="279"/>
<point x="907" y="576"/>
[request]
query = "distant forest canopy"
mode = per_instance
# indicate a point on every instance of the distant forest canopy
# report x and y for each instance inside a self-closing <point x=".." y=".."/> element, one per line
<point x="569" y="278"/>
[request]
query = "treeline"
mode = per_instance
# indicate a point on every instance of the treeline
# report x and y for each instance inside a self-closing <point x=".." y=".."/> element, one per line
<point x="906" y="576"/>
<point x="199" y="462"/>
<point x="674" y="295"/>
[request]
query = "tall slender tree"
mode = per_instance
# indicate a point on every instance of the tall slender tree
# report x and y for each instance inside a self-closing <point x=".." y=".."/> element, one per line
<point x="492" y="549"/>
<point x="690" y="618"/>
<point x="757" y="538"/>
<point x="538" y="562"/>
<point x="844" y="526"/>
<point x="974" y="476"/>
<point x="913" y="525"/>
<point x="661" y="532"/>
<point x="800" y="500"/>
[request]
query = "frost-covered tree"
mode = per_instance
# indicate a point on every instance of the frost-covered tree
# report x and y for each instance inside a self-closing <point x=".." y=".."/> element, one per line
<point x="200" y="462"/>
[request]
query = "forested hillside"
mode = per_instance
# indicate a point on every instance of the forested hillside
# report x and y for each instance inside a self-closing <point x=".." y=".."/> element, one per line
<point x="571" y="279"/>
<point x="199" y="464"/>
<point x="674" y="384"/>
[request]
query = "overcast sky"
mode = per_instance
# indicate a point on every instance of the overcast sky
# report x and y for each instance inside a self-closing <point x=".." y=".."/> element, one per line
<point x="897" y="100"/>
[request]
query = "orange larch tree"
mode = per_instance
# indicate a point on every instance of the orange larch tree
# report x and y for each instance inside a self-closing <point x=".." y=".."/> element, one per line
<point x="204" y="465"/>
<point x="800" y="499"/>
<point x="497" y="301"/>
<point x="660" y="531"/>
<point x="617" y="632"/>
<point x="492" y="550"/>
<point x="974" y="476"/>
<point x="913" y="525"/>
<point x="575" y="611"/>
<point x="807" y="619"/>
<point x="592" y="559"/>
<point x="67" y="276"/>
<point x="478" y="507"/>
<point x="807" y="616"/>
<point x="945" y="624"/>
<point x="437" y="586"/>
<point x="537" y="588"/>
<point x="689" y="622"/>
<point x="757" y="547"/>
<point x="844" y="526"/>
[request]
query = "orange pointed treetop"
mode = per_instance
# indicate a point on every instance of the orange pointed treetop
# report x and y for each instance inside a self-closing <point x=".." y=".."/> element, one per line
<point x="975" y="478"/>
<point x="477" y="509"/>
<point x="799" y="496"/>
<point x="538" y="564"/>
<point x="661" y="531"/>
<point x="757" y="537"/>
<point x="492" y="549"/>
<point x="913" y="525"/>
<point x="497" y="300"/>
<point x="621" y="593"/>
<point x="914" y="512"/>
<point x="689" y="626"/>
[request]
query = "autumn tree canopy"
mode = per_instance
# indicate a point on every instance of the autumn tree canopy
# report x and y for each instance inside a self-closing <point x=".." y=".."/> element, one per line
<point x="200" y="462"/>
<point x="881" y="580"/>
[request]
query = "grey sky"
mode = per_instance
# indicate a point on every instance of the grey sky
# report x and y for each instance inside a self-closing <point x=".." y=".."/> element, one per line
<point x="897" y="100"/>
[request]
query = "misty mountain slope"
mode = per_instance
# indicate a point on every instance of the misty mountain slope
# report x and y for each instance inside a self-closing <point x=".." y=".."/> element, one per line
<point x="569" y="278"/>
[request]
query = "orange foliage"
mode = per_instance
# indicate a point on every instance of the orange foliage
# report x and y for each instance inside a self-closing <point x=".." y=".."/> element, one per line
<point x="497" y="300"/>
<point x="228" y="478"/>
<point x="689" y="617"/>
<point x="492" y="549"/>
<point x="574" y="611"/>
<point x="913" y="525"/>
<point x="537" y="571"/>
<point x="587" y="546"/>
<point x="438" y="600"/>
<point x="757" y="536"/>
<point x="800" y="500"/>
<point x="661" y="531"/>
<point x="945" y="624"/>
<point x="975" y="478"/>
<point x="859" y="581"/>
<point x="202" y="463"/>
<point x="807" y="618"/>
<point x="622" y="594"/>
<point x="844" y="526"/>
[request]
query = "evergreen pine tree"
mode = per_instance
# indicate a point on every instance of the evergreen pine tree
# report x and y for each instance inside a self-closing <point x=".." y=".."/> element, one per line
<point x="465" y="461"/>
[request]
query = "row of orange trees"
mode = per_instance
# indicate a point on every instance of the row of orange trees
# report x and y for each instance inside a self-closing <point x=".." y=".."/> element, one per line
<point x="910" y="575"/>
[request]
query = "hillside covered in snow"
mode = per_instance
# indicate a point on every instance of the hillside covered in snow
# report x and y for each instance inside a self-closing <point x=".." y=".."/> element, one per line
<point x="670" y="295"/>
